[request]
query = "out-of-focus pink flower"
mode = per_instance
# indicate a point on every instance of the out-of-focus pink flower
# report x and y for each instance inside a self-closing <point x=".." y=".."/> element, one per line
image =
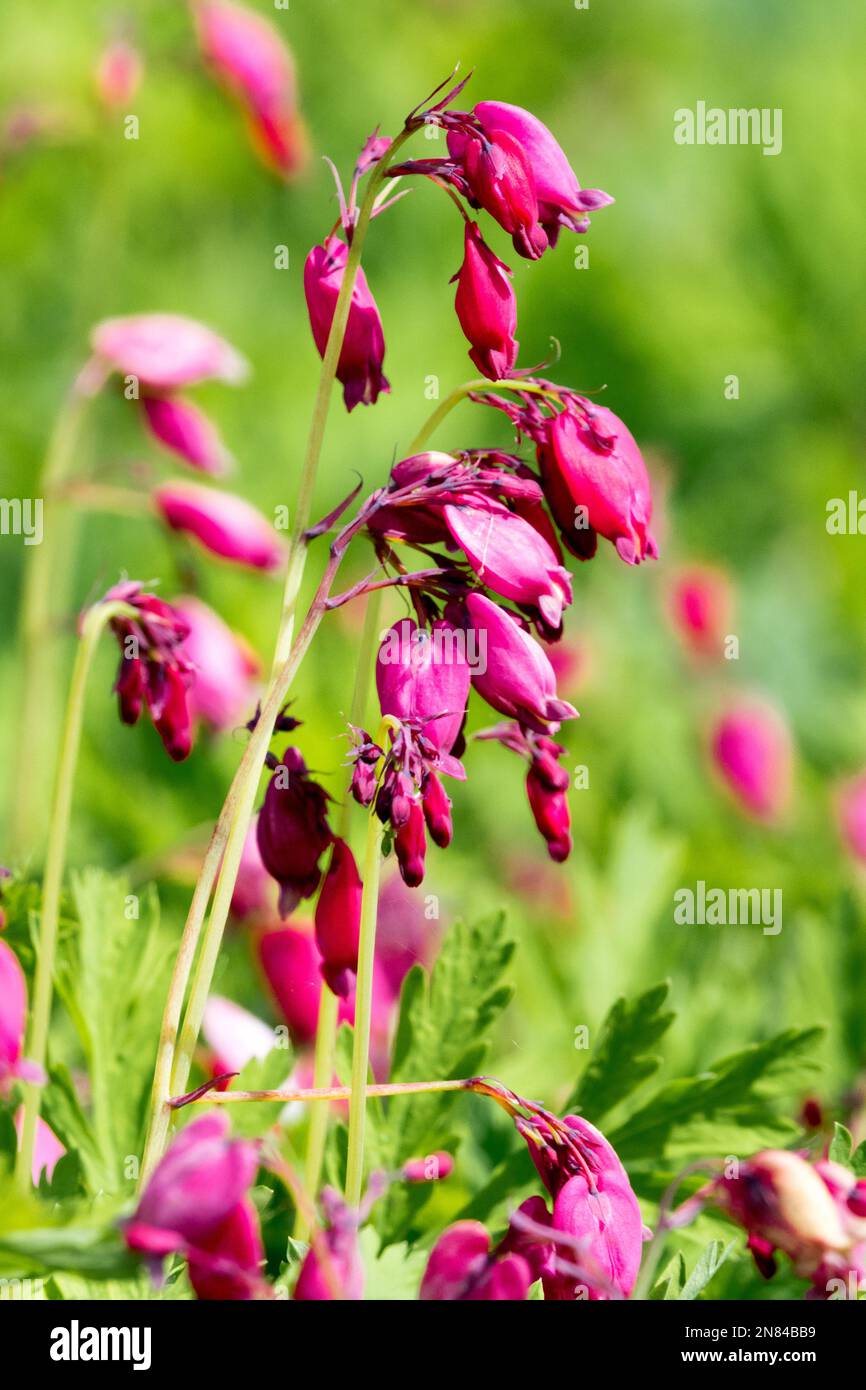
<point x="223" y="693"/>
<point x="851" y="808"/>
<point x="118" y="74"/>
<point x="196" y="1204"/>
<point x="255" y="891"/>
<point x="463" y="1268"/>
<point x="751" y="748"/>
<point x="512" y="558"/>
<point x="431" y="1168"/>
<point x="13" y="1019"/>
<point x="290" y="962"/>
<point x="486" y="307"/>
<point x="515" y="676"/>
<point x="234" y="1035"/>
<point x="700" y="603"/>
<point x="186" y="431"/>
<point x="47" y="1148"/>
<point x="224" y="524"/>
<point x="293" y="831"/>
<point x="596" y="483"/>
<point x="248" y="55"/>
<point x="338" y="919"/>
<point x="561" y="200"/>
<point x="334" y="1270"/>
<point x="404" y="936"/>
<point x="154" y="671"/>
<point x="165" y="352"/>
<point x="360" y="364"/>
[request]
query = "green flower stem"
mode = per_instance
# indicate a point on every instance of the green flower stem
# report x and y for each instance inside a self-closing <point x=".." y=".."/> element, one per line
<point x="337" y="1093"/>
<point x="461" y="392"/>
<point x="44" y="578"/>
<point x="326" y="1028"/>
<point x="94" y="624"/>
<point x="364" y="989"/>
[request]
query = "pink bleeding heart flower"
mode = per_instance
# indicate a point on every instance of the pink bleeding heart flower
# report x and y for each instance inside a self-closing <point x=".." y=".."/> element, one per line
<point x="224" y="690"/>
<point x="224" y="524"/>
<point x="47" y="1148"/>
<point x="463" y="1268"/>
<point x="234" y="1035"/>
<point x="514" y="675"/>
<point x="247" y="54"/>
<point x="182" y="428"/>
<point x="165" y="352"/>
<point x="118" y="74"/>
<point x="851" y="810"/>
<point x="561" y="200"/>
<point x="359" y="368"/>
<point x="293" y="831"/>
<point x="495" y="174"/>
<point x="338" y="919"/>
<point x="512" y="558"/>
<point x="290" y="962"/>
<point x="700" y="603"/>
<point x="254" y="892"/>
<point x="486" y="307"/>
<point x="422" y="677"/>
<point x="751" y="749"/>
<point x="196" y="1204"/>
<point x="596" y="482"/>
<point x="334" y="1269"/>
<point x="13" y="1021"/>
<point x="154" y="672"/>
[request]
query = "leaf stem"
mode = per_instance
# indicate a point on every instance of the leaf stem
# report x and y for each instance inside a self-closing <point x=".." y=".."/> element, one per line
<point x="93" y="626"/>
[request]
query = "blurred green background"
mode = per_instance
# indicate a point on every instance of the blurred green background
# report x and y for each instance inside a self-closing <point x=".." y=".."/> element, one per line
<point x="711" y="262"/>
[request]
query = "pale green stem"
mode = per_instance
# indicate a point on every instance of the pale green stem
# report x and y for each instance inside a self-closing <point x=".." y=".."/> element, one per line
<point x="44" y="579"/>
<point x="70" y="739"/>
<point x="326" y="1027"/>
<point x="461" y="392"/>
<point x="337" y="1093"/>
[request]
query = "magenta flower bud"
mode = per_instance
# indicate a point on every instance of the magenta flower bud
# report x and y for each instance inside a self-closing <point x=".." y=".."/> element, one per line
<point x="195" y="1204"/>
<point x="546" y="786"/>
<point x="751" y="748"/>
<point x="47" y="1148"/>
<point x="290" y="962"/>
<point x="517" y="679"/>
<point x="363" y="352"/>
<point x="851" y="811"/>
<point x="224" y="691"/>
<point x="129" y="688"/>
<point x="185" y="430"/>
<point x="700" y="604"/>
<point x="423" y="677"/>
<point x="338" y="919"/>
<point x="224" y="524"/>
<point x="168" y="708"/>
<point x="118" y="74"/>
<point x="561" y="200"/>
<point x="339" y="1273"/>
<point x="596" y="482"/>
<point x="432" y="1168"/>
<point x="512" y="559"/>
<point x="249" y="57"/>
<point x="486" y="306"/>
<point x="166" y="351"/>
<point x="437" y="811"/>
<point x="13" y="1019"/>
<point x="293" y="831"/>
<point x="234" y="1035"/>
<point x="498" y="178"/>
<point x="410" y="846"/>
<point x="462" y="1268"/>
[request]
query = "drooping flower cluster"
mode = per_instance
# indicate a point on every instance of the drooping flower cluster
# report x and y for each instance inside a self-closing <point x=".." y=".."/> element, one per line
<point x="154" y="672"/>
<point x="815" y="1213"/>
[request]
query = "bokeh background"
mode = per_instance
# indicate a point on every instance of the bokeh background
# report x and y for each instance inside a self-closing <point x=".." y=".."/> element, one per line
<point x="711" y="262"/>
